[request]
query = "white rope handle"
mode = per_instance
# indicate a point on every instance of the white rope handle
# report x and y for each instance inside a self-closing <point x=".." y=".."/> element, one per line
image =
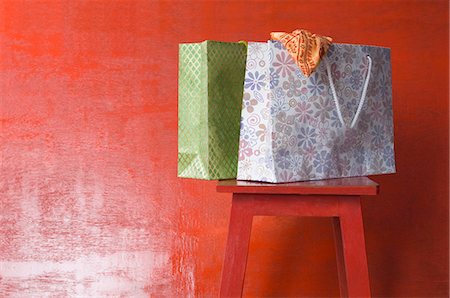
<point x="363" y="95"/>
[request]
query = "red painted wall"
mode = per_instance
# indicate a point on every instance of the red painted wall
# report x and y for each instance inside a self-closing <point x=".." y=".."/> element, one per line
<point x="90" y="201"/>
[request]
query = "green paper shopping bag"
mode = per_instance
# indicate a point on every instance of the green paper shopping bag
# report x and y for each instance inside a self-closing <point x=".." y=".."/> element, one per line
<point x="210" y="86"/>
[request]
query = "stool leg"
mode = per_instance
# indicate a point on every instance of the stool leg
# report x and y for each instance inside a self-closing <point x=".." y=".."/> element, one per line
<point x="237" y="248"/>
<point x="340" y="257"/>
<point x="354" y="248"/>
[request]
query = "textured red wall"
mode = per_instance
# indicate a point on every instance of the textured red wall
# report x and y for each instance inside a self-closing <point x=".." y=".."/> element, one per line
<point x="90" y="201"/>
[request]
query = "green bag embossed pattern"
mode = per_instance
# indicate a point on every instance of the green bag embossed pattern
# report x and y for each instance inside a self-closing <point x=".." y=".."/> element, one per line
<point x="210" y="87"/>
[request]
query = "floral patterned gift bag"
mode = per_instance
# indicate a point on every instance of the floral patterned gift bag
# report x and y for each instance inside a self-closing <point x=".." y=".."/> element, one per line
<point x="335" y="123"/>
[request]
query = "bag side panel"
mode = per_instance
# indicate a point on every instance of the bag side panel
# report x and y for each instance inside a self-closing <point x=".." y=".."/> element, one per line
<point x="226" y="69"/>
<point x="378" y="115"/>
<point x="255" y="158"/>
<point x="192" y="111"/>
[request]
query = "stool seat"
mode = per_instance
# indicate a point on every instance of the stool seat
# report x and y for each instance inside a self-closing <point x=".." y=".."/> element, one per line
<point x="358" y="186"/>
<point x="336" y="198"/>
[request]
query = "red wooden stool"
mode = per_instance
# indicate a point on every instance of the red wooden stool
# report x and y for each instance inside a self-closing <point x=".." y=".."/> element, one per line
<point x="337" y="198"/>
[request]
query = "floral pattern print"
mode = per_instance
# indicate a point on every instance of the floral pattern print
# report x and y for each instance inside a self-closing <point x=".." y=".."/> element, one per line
<point x="356" y="79"/>
<point x="256" y="52"/>
<point x="248" y="135"/>
<point x="283" y="159"/>
<point x="261" y="132"/>
<point x="358" y="154"/>
<point x="323" y="162"/>
<point x="290" y="128"/>
<point x="344" y="165"/>
<point x="388" y="156"/>
<point x="279" y="105"/>
<point x="323" y="108"/>
<point x="284" y="124"/>
<point x="274" y="78"/>
<point x="377" y="111"/>
<point x="377" y="135"/>
<point x="349" y="53"/>
<point x="306" y="137"/>
<point x="254" y="81"/>
<point x="244" y="150"/>
<point x="248" y="102"/>
<point x="292" y="87"/>
<point x="334" y="119"/>
<point x="315" y="85"/>
<point x="284" y="64"/>
<point x="303" y="111"/>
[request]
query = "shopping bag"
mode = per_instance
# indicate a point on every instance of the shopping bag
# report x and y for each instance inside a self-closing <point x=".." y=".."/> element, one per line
<point x="335" y="123"/>
<point x="211" y="76"/>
